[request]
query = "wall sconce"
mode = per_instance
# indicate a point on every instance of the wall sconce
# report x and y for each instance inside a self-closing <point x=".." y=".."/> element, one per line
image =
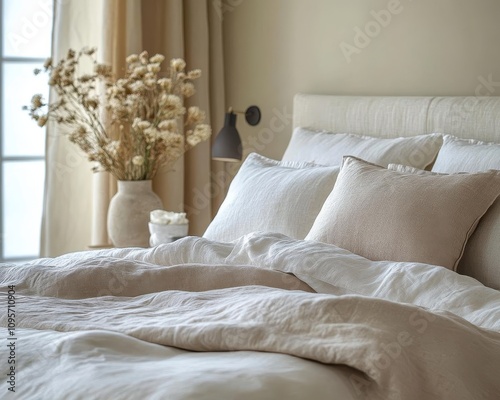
<point x="227" y="145"/>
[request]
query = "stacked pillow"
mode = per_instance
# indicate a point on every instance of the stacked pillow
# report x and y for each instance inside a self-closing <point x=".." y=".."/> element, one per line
<point x="286" y="196"/>
<point x="481" y="258"/>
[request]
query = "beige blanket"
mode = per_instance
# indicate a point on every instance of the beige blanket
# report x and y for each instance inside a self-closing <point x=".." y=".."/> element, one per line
<point x="396" y="350"/>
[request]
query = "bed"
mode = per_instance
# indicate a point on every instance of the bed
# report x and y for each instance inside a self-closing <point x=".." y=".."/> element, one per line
<point x="364" y="265"/>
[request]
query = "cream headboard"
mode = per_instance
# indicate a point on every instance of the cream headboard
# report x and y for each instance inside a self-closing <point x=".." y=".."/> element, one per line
<point x="392" y="116"/>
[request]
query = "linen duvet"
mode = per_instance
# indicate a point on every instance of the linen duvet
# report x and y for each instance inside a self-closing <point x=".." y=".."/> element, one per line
<point x="263" y="317"/>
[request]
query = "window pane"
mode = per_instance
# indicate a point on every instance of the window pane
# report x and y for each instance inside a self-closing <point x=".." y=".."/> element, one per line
<point x="23" y="198"/>
<point x="27" y="28"/>
<point x="21" y="135"/>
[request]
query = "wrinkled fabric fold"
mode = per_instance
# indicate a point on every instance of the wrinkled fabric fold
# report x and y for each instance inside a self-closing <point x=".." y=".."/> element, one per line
<point x="383" y="320"/>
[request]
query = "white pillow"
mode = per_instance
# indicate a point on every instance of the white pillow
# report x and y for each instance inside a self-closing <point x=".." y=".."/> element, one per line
<point x="328" y="148"/>
<point x="466" y="155"/>
<point x="481" y="259"/>
<point x="268" y="195"/>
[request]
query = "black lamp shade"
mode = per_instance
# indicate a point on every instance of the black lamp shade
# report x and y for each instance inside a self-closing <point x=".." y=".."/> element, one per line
<point x="227" y="145"/>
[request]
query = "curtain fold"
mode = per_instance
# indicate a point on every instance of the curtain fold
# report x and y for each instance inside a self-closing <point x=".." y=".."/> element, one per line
<point x="76" y="202"/>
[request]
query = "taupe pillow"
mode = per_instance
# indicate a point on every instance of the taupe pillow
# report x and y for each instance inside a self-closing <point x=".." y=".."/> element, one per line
<point x="382" y="214"/>
<point x="481" y="258"/>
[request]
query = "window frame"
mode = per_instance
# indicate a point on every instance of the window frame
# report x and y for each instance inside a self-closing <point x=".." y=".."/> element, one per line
<point x="37" y="61"/>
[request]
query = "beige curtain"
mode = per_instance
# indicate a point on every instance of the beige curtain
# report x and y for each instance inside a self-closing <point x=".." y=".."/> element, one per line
<point x="76" y="201"/>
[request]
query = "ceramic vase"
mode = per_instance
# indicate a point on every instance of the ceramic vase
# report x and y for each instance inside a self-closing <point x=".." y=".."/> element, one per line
<point x="128" y="213"/>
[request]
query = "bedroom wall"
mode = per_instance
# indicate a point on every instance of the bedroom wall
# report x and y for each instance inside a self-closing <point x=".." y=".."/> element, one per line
<point x="276" y="48"/>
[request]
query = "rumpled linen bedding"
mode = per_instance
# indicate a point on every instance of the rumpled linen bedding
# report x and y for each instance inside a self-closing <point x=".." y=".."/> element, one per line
<point x="263" y="317"/>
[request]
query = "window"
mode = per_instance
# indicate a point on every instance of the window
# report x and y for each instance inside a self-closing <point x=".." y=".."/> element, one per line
<point x="26" y="33"/>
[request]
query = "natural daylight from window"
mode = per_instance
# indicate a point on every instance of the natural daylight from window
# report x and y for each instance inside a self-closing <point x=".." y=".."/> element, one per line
<point x="26" y="30"/>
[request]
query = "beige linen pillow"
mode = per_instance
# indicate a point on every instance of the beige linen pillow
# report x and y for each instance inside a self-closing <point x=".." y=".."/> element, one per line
<point x="481" y="258"/>
<point x="269" y="195"/>
<point x="327" y="148"/>
<point x="382" y="214"/>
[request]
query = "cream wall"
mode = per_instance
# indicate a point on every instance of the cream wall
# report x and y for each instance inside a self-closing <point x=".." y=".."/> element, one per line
<point x="276" y="48"/>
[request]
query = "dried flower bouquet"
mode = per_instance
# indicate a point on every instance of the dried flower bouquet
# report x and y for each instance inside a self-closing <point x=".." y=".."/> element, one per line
<point x="143" y="111"/>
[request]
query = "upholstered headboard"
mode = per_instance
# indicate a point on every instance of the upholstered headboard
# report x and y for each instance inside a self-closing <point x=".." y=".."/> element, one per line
<point x="389" y="117"/>
<point x="393" y="116"/>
